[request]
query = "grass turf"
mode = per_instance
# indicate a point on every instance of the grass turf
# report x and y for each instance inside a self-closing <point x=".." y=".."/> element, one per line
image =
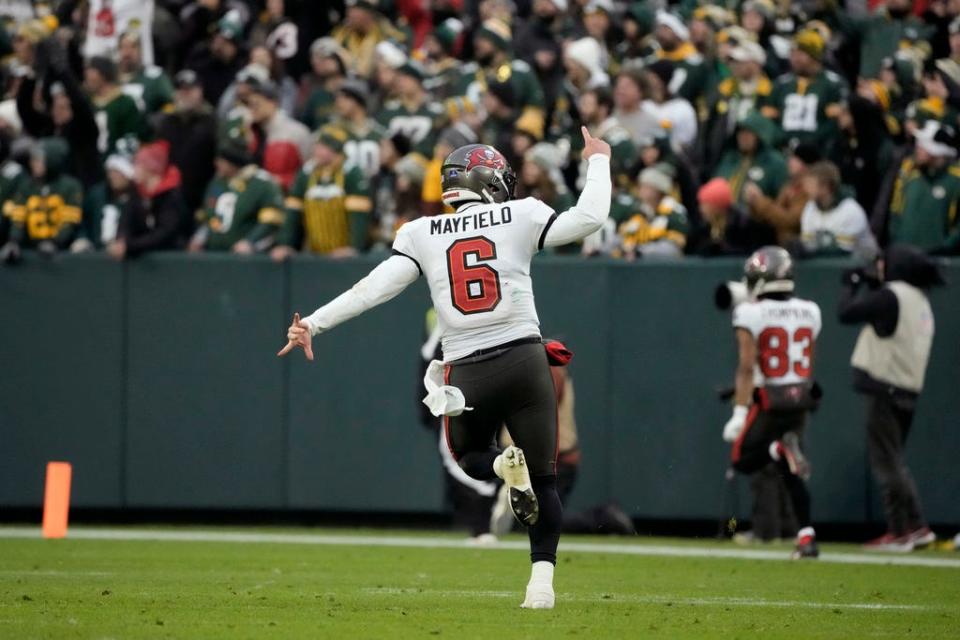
<point x="149" y="589"/>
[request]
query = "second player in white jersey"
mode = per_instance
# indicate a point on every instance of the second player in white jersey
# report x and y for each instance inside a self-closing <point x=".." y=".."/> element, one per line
<point x="785" y="332"/>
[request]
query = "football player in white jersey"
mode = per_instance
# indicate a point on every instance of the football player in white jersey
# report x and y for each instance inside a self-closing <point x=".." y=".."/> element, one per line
<point x="776" y="334"/>
<point x="477" y="264"/>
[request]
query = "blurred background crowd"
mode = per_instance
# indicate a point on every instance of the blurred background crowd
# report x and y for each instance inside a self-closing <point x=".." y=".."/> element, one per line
<point x="285" y="126"/>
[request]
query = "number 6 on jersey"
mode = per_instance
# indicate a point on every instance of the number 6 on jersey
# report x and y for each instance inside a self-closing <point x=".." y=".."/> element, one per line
<point x="474" y="288"/>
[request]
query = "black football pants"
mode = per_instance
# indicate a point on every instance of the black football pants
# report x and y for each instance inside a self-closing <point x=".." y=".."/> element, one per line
<point x="513" y="388"/>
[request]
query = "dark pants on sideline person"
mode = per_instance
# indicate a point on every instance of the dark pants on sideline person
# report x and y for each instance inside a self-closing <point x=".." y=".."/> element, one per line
<point x="888" y="423"/>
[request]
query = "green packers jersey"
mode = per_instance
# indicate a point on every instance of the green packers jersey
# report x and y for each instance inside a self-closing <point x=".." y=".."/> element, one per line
<point x="318" y="109"/>
<point x="362" y="147"/>
<point x="421" y="125"/>
<point x="932" y="108"/>
<point x="328" y="208"/>
<point x="12" y="180"/>
<point x="117" y="117"/>
<point x="807" y="108"/>
<point x="47" y="211"/>
<point x="150" y="89"/>
<point x="247" y="207"/>
<point x="527" y="91"/>
<point x="668" y="222"/>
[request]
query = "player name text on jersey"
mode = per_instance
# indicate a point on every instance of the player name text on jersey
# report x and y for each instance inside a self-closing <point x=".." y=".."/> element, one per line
<point x="464" y="222"/>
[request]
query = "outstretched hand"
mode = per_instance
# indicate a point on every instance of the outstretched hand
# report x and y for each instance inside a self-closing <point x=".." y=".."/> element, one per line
<point x="593" y="145"/>
<point x="298" y="335"/>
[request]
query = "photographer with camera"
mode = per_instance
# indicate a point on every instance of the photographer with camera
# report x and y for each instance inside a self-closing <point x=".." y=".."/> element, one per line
<point x="889" y="363"/>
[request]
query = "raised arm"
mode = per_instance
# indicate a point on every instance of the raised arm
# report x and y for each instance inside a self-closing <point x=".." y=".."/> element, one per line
<point x="593" y="205"/>
<point x="384" y="283"/>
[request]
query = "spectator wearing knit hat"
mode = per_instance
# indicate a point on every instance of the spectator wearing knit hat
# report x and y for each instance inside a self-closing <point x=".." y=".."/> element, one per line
<point x="807" y="101"/>
<point x="659" y="225"/>
<point x="917" y="203"/>
<point x="281" y="143"/>
<point x="218" y="59"/>
<point x="363" y="133"/>
<point x="745" y="90"/>
<point x="688" y="76"/>
<point x="499" y="103"/>
<point x="153" y="218"/>
<point x="104" y="204"/>
<point x="439" y="50"/>
<point x="364" y="27"/>
<point x="329" y="209"/>
<point x="753" y="157"/>
<point x="783" y="211"/>
<point x="329" y="65"/>
<point x="413" y="112"/>
<point x="191" y="130"/>
<point x="243" y="205"/>
<point x="866" y="151"/>
<point x="491" y="47"/>
<point x="727" y="229"/>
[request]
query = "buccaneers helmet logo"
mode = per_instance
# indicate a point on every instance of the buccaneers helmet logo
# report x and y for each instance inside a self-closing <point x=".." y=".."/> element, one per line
<point x="486" y="157"/>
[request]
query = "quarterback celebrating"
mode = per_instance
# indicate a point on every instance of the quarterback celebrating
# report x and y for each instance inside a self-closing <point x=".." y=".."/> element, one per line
<point x="495" y="370"/>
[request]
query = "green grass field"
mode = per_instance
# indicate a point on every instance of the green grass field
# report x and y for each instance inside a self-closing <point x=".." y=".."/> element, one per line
<point x="360" y="584"/>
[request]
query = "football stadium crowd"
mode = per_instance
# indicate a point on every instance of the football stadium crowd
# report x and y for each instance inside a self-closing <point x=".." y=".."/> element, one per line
<point x="286" y="126"/>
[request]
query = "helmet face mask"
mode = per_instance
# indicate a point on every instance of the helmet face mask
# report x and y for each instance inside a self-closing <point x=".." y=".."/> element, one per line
<point x="477" y="173"/>
<point x="768" y="270"/>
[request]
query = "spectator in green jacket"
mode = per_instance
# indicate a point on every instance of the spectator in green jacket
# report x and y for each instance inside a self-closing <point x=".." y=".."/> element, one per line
<point x="46" y="210"/>
<point x="753" y="158"/>
<point x="116" y="113"/>
<point x="243" y="207"/>
<point x="148" y="85"/>
<point x="882" y="33"/>
<point x="923" y="203"/>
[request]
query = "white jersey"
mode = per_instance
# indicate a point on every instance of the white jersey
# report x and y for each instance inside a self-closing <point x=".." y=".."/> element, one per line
<point x="786" y="332"/>
<point x="477" y="263"/>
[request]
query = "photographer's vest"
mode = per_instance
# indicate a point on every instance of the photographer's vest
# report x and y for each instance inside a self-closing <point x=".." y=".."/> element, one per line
<point x="900" y="359"/>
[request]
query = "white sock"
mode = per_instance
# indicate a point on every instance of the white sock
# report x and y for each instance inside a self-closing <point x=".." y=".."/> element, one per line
<point x="806" y="531"/>
<point x="774" y="450"/>
<point x="541" y="572"/>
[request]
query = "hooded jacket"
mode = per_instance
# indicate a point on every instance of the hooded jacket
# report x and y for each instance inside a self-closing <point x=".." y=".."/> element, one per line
<point x="48" y="207"/>
<point x="766" y="167"/>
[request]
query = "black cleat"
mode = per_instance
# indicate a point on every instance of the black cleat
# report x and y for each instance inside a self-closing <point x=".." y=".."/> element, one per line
<point x="524" y="505"/>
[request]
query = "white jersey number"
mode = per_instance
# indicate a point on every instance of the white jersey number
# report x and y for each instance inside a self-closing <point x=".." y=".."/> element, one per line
<point x="800" y="112"/>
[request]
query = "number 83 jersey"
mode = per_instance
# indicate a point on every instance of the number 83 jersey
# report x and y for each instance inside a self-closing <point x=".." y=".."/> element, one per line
<point x="785" y="332"/>
<point x="477" y="264"/>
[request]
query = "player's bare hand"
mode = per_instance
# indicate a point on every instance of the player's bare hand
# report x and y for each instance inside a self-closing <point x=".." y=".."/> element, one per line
<point x="298" y="335"/>
<point x="593" y="145"/>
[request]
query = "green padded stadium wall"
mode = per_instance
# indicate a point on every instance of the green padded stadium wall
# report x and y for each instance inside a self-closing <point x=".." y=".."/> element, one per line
<point x="158" y="380"/>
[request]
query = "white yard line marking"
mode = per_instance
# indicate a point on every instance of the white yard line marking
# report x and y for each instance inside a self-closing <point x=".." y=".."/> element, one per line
<point x="454" y="543"/>
<point x="658" y="599"/>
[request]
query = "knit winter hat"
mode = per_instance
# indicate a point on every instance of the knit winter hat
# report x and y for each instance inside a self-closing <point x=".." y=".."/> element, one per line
<point x="657" y="178"/>
<point x="153" y="157"/>
<point x="447" y="33"/>
<point x="503" y="91"/>
<point x="673" y="22"/>
<point x="333" y="137"/>
<point x="663" y="69"/>
<point x="807" y="153"/>
<point x="356" y="89"/>
<point x="121" y="164"/>
<point x="497" y="32"/>
<point x="104" y="66"/>
<point x="716" y="192"/>
<point x="748" y="51"/>
<point x="587" y="53"/>
<point x="937" y="139"/>
<point x="811" y="42"/>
